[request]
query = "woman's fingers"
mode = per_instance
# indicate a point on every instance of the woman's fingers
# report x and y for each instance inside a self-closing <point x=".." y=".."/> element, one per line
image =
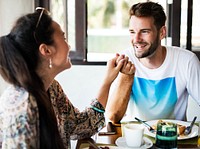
<point x="119" y="57"/>
<point x="120" y="64"/>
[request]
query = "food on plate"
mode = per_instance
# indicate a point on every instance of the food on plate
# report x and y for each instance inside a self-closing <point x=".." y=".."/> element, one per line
<point x="180" y="128"/>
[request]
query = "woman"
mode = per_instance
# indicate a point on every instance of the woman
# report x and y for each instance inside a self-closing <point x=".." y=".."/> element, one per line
<point x="34" y="111"/>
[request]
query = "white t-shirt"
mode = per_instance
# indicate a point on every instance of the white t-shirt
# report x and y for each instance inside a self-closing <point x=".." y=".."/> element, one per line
<point x="163" y="92"/>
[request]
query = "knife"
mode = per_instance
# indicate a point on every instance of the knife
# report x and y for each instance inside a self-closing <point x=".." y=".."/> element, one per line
<point x="147" y="125"/>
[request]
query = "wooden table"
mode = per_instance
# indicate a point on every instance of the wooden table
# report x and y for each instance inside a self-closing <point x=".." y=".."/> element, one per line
<point x="110" y="140"/>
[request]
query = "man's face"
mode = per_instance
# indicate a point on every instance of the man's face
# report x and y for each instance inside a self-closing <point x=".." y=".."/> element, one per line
<point x="145" y="37"/>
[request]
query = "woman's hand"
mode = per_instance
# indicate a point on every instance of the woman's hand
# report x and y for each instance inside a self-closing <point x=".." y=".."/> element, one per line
<point x="113" y="68"/>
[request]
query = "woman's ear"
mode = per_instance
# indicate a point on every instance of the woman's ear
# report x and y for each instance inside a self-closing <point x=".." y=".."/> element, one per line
<point x="45" y="50"/>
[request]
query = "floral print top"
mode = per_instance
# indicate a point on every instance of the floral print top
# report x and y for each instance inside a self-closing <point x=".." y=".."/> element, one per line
<point x="19" y="118"/>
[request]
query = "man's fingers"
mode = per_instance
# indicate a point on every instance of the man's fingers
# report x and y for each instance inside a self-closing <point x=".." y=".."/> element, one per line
<point x="129" y="68"/>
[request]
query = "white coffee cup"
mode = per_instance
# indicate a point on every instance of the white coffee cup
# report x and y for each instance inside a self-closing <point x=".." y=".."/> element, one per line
<point x="134" y="134"/>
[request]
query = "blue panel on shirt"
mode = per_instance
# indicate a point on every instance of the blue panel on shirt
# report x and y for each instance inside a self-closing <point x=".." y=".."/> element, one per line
<point x="155" y="98"/>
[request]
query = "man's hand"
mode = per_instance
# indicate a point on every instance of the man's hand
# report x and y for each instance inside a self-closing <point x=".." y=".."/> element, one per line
<point x="128" y="67"/>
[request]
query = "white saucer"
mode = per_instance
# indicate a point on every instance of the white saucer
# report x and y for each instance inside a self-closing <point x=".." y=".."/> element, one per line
<point x="121" y="142"/>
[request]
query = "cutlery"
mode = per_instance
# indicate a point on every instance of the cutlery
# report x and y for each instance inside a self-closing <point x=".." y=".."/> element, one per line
<point x="151" y="129"/>
<point x="189" y="128"/>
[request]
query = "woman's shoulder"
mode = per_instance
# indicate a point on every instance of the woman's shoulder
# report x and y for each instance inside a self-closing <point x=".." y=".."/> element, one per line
<point x="55" y="86"/>
<point x="13" y="96"/>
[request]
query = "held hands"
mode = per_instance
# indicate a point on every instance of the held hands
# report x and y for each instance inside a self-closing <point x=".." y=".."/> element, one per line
<point x="114" y="66"/>
<point x="128" y="67"/>
<point x="118" y="64"/>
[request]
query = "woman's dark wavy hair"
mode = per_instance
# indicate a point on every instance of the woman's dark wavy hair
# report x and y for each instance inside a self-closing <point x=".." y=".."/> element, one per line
<point x="149" y="9"/>
<point x="19" y="58"/>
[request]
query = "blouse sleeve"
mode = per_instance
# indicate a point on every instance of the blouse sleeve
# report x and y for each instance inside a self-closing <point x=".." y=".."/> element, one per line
<point x="73" y="123"/>
<point x="18" y="120"/>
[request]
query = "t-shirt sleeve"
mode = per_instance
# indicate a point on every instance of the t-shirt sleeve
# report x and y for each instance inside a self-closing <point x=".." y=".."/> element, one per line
<point x="193" y="75"/>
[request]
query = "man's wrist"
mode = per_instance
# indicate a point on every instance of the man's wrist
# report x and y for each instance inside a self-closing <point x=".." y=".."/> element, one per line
<point x="126" y="77"/>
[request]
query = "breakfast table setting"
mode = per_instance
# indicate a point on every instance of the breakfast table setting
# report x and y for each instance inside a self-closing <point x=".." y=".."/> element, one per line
<point x="112" y="136"/>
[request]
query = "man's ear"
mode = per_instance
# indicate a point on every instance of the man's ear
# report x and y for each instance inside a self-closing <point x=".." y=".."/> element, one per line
<point x="45" y="50"/>
<point x="163" y="32"/>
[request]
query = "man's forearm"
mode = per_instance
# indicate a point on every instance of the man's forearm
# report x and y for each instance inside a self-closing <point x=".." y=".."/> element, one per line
<point x="118" y="102"/>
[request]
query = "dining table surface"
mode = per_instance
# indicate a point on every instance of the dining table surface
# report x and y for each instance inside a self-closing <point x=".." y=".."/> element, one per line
<point x="103" y="139"/>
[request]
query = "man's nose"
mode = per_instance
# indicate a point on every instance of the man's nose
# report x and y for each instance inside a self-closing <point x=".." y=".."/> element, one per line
<point x="136" y="37"/>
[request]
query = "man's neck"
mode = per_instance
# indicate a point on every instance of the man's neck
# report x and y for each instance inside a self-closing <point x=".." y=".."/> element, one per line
<point x="156" y="60"/>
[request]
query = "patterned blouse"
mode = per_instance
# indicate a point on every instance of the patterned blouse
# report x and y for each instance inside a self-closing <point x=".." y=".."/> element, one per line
<point x="19" y="118"/>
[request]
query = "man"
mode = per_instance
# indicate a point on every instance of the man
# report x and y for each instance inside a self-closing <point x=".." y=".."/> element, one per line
<point x="164" y="77"/>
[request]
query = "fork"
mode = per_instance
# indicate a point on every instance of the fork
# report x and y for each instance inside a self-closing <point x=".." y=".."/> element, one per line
<point x="151" y="129"/>
<point x="189" y="128"/>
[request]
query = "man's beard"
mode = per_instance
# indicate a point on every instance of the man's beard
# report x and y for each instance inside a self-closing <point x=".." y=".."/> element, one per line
<point x="151" y="50"/>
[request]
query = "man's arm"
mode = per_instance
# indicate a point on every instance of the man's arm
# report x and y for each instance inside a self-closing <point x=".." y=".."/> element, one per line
<point x="118" y="102"/>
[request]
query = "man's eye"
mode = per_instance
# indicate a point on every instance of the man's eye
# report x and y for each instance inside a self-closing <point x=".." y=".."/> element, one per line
<point x="145" y="31"/>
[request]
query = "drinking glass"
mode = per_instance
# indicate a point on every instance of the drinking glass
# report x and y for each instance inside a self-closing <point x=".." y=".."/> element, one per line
<point x="166" y="135"/>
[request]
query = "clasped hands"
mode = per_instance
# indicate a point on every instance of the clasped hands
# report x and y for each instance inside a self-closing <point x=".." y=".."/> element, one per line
<point x="120" y="63"/>
<point x="128" y="67"/>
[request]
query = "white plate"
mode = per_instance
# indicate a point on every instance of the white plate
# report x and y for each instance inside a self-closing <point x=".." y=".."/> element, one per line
<point x="193" y="133"/>
<point x="121" y="142"/>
